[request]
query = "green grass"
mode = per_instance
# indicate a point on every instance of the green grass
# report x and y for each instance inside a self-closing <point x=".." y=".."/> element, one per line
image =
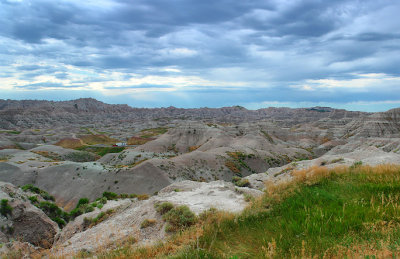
<point x="81" y="156"/>
<point x="149" y="133"/>
<point x="101" y="151"/>
<point x="45" y="195"/>
<point x="11" y="131"/>
<point x="5" y="208"/>
<point x="356" y="211"/>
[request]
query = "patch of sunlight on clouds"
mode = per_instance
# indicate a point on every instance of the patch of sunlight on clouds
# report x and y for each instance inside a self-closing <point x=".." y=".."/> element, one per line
<point x="361" y="82"/>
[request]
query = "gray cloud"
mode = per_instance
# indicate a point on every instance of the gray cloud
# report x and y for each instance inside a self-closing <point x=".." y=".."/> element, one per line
<point x="265" y="45"/>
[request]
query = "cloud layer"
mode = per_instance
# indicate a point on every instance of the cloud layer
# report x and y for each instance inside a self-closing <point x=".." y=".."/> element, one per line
<point x="189" y="53"/>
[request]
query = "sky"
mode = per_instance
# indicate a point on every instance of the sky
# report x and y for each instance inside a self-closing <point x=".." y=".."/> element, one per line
<point x="203" y="53"/>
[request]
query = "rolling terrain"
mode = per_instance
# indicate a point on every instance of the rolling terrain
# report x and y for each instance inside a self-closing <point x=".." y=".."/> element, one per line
<point x="192" y="157"/>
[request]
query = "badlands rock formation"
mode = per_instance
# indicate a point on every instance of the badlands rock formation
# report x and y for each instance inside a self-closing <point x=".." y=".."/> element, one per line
<point x="24" y="222"/>
<point x="65" y="148"/>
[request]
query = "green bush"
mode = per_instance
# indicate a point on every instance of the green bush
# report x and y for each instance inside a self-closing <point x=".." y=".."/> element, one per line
<point x="5" y="208"/>
<point x="33" y="199"/>
<point x="164" y="207"/>
<point x="89" y="222"/>
<point x="60" y="222"/>
<point x="45" y="195"/>
<point x="54" y="212"/>
<point x="240" y="182"/>
<point x="82" y="207"/>
<point x="147" y="223"/>
<point x="110" y="195"/>
<point x="82" y="201"/>
<point x="179" y="218"/>
<point x="88" y="208"/>
<point x="75" y="213"/>
<point x="80" y="156"/>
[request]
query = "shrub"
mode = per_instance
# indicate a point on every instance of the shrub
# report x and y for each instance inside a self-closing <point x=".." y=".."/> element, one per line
<point x="88" y="209"/>
<point x="75" y="213"/>
<point x="60" y="222"/>
<point x="45" y="195"/>
<point x="99" y="217"/>
<point x="240" y="182"/>
<point x="90" y="222"/>
<point x="110" y="195"/>
<point x="54" y="212"/>
<point x="147" y="223"/>
<point x="179" y="218"/>
<point x="82" y="201"/>
<point x="33" y="199"/>
<point x="142" y="197"/>
<point x="82" y="207"/>
<point x="164" y="207"/>
<point x="5" y="208"/>
<point x="80" y="156"/>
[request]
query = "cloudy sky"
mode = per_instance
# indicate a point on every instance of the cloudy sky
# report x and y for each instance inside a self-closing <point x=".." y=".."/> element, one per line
<point x="196" y="53"/>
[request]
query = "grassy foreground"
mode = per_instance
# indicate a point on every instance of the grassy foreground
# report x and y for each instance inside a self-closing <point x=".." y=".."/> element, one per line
<point x="337" y="213"/>
<point x="344" y="212"/>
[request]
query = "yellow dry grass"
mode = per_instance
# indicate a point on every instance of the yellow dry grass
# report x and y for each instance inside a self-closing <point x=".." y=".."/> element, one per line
<point x="138" y="140"/>
<point x="97" y="139"/>
<point x="70" y="143"/>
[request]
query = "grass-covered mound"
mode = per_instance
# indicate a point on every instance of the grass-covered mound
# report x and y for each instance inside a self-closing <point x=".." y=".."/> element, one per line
<point x="70" y="143"/>
<point x="101" y="151"/>
<point x="323" y="213"/>
<point x="97" y="139"/>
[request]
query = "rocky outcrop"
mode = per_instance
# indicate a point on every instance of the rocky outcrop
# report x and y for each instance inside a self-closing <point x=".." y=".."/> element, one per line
<point x="23" y="221"/>
<point x="128" y="215"/>
<point x="31" y="114"/>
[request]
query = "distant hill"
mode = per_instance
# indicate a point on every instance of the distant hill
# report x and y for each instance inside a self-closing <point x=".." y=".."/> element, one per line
<point x="31" y="113"/>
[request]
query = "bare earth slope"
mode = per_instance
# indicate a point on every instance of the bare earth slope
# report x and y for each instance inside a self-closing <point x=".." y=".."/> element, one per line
<point x="188" y="156"/>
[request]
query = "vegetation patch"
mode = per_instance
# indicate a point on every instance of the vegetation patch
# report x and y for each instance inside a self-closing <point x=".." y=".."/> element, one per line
<point x="142" y="197"/>
<point x="5" y="208"/>
<point x="237" y="162"/>
<point x="115" y="196"/>
<point x="45" y="195"/>
<point x="97" y="139"/>
<point x="91" y="222"/>
<point x="15" y="132"/>
<point x="4" y="158"/>
<point x="179" y="218"/>
<point x="82" y="207"/>
<point x="101" y="151"/>
<point x="337" y="160"/>
<point x="81" y="156"/>
<point x="51" y="155"/>
<point x="240" y="182"/>
<point x="193" y="148"/>
<point x="267" y="136"/>
<point x="341" y="212"/>
<point x="70" y="143"/>
<point x="232" y="166"/>
<point x="139" y="140"/>
<point x="54" y="212"/>
<point x="164" y="207"/>
<point x="273" y="162"/>
<point x="148" y="223"/>
<point x="150" y="133"/>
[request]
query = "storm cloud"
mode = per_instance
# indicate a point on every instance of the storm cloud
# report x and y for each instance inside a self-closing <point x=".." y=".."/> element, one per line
<point x="190" y="53"/>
